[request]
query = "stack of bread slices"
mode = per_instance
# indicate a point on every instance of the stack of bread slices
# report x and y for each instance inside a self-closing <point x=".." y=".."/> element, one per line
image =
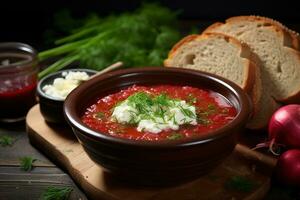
<point x="257" y="53"/>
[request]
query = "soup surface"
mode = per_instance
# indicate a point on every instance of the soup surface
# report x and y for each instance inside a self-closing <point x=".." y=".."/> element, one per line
<point x="160" y="112"/>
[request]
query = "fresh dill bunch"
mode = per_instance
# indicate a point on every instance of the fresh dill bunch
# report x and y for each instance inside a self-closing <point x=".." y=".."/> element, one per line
<point x="140" y="38"/>
<point x="6" y="140"/>
<point x="26" y="163"/>
<point x="56" y="193"/>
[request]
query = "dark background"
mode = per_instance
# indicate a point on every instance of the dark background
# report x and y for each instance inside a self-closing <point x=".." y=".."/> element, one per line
<point x="27" y="21"/>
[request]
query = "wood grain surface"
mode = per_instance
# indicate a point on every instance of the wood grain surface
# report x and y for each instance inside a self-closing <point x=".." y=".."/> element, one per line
<point x="61" y="146"/>
<point x="17" y="184"/>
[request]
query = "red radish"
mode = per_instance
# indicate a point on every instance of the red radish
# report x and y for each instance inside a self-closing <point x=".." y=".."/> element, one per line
<point x="288" y="168"/>
<point x="284" y="128"/>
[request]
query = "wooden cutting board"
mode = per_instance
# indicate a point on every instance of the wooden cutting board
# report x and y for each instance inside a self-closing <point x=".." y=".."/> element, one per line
<point x="61" y="146"/>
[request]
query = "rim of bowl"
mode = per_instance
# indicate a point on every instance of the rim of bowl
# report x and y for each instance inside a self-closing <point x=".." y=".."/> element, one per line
<point x="51" y="76"/>
<point x="243" y="114"/>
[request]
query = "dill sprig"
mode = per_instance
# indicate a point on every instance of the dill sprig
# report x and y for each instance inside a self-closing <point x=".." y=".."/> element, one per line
<point x="187" y="112"/>
<point x="191" y="98"/>
<point x="56" y="193"/>
<point x="175" y="136"/>
<point x="6" y="140"/>
<point x="141" y="101"/>
<point x="26" y="163"/>
<point x="99" y="115"/>
<point x="240" y="184"/>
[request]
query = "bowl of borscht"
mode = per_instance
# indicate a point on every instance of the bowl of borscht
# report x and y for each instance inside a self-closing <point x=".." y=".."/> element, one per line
<point x="155" y="125"/>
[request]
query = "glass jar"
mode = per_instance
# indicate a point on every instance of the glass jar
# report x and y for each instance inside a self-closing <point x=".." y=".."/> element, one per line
<point x="18" y="80"/>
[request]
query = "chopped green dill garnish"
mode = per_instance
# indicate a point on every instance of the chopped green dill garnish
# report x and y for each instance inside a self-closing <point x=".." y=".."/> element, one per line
<point x="56" y="193"/>
<point x="154" y="108"/>
<point x="211" y="107"/>
<point x="6" y="140"/>
<point x="99" y="115"/>
<point x="27" y="163"/>
<point x="191" y="99"/>
<point x="187" y="112"/>
<point x="175" y="136"/>
<point x="141" y="101"/>
<point x="162" y="100"/>
<point x="224" y="110"/>
<point x="240" y="184"/>
<point x="203" y="114"/>
<point x="160" y="112"/>
<point x="132" y="119"/>
<point x="119" y="130"/>
<point x="203" y="120"/>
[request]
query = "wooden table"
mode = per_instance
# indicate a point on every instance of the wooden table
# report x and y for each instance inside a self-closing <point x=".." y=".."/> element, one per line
<point x="20" y="185"/>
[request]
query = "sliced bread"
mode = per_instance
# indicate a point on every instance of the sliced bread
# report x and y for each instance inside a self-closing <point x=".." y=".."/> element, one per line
<point x="215" y="53"/>
<point x="275" y="46"/>
<point x="224" y="56"/>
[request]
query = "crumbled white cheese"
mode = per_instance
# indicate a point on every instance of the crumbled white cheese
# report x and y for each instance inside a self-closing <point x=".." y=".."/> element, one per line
<point x="61" y="87"/>
<point x="173" y="117"/>
<point x="124" y="113"/>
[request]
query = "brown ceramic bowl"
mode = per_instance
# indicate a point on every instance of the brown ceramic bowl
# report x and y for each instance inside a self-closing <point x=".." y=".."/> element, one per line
<point x="163" y="162"/>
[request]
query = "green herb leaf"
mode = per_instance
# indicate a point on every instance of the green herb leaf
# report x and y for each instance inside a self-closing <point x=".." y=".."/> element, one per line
<point x="187" y="112"/>
<point x="56" y="193"/>
<point x="203" y="120"/>
<point x="27" y="163"/>
<point x="99" y="115"/>
<point x="175" y="136"/>
<point x="211" y="107"/>
<point x="225" y="110"/>
<point x="191" y="99"/>
<point x="6" y="140"/>
<point x="240" y="184"/>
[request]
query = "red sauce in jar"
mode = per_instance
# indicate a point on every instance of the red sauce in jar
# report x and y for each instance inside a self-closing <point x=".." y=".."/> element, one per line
<point x="15" y="100"/>
<point x="212" y="109"/>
